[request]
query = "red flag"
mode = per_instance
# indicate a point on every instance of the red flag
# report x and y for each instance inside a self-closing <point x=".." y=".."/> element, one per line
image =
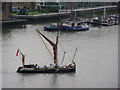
<point x="17" y="52"/>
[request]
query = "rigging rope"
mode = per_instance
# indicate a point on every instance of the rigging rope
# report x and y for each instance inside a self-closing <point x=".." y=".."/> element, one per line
<point x="46" y="47"/>
<point x="64" y="56"/>
<point x="61" y="47"/>
<point x="50" y="58"/>
<point x="65" y="51"/>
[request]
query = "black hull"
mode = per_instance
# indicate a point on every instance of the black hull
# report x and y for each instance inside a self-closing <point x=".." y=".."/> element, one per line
<point x="51" y="29"/>
<point x="88" y="22"/>
<point x="55" y="70"/>
<point x="106" y="24"/>
<point x="95" y="23"/>
<point x="48" y="71"/>
<point x="48" y="29"/>
<point x="64" y="29"/>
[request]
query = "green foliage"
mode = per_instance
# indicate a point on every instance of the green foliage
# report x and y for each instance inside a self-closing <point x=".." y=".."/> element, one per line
<point x="41" y="10"/>
<point x="52" y="9"/>
<point x="14" y="12"/>
<point x="48" y="9"/>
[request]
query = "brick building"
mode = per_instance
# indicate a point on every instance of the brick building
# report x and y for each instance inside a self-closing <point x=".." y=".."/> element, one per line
<point x="6" y="10"/>
<point x="119" y="10"/>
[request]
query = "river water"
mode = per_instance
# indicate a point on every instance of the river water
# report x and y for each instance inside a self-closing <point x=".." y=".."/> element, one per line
<point x="96" y="58"/>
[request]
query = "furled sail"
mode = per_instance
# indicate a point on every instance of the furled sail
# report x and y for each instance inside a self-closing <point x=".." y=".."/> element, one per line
<point x="23" y="59"/>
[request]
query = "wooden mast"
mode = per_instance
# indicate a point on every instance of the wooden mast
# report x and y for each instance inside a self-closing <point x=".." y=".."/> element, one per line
<point x="74" y="55"/>
<point x="54" y="45"/>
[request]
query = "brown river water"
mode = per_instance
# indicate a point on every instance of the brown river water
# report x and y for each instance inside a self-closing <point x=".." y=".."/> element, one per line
<point x="96" y="58"/>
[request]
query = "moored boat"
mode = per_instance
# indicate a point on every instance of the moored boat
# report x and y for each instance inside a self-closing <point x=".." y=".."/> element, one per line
<point x="95" y="21"/>
<point x="74" y="26"/>
<point x="108" y="22"/>
<point x="52" y="27"/>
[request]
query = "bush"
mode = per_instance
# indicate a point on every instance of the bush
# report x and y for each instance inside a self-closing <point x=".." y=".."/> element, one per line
<point x="48" y="9"/>
<point x="14" y="12"/>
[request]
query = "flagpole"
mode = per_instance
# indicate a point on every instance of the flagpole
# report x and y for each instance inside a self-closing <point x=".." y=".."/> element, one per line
<point x="23" y="56"/>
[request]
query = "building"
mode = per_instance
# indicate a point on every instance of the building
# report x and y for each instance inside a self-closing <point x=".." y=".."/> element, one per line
<point x="47" y="4"/>
<point x="48" y="7"/>
<point x="119" y="9"/>
<point x="6" y="10"/>
<point x="0" y="10"/>
<point x="78" y="5"/>
<point x="24" y="5"/>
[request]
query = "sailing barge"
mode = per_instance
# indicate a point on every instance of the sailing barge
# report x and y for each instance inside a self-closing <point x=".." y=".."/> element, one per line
<point x="52" y="68"/>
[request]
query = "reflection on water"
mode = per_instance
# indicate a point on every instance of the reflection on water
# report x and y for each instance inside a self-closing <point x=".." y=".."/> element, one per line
<point x="53" y="78"/>
<point x="13" y="26"/>
<point x="96" y="58"/>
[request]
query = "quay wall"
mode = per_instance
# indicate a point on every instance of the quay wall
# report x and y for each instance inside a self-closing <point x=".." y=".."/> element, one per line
<point x="14" y="21"/>
<point x="42" y="16"/>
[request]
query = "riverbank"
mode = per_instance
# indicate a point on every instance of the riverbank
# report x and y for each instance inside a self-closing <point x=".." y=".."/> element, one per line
<point x="84" y="13"/>
<point x="40" y="16"/>
<point x="68" y="12"/>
